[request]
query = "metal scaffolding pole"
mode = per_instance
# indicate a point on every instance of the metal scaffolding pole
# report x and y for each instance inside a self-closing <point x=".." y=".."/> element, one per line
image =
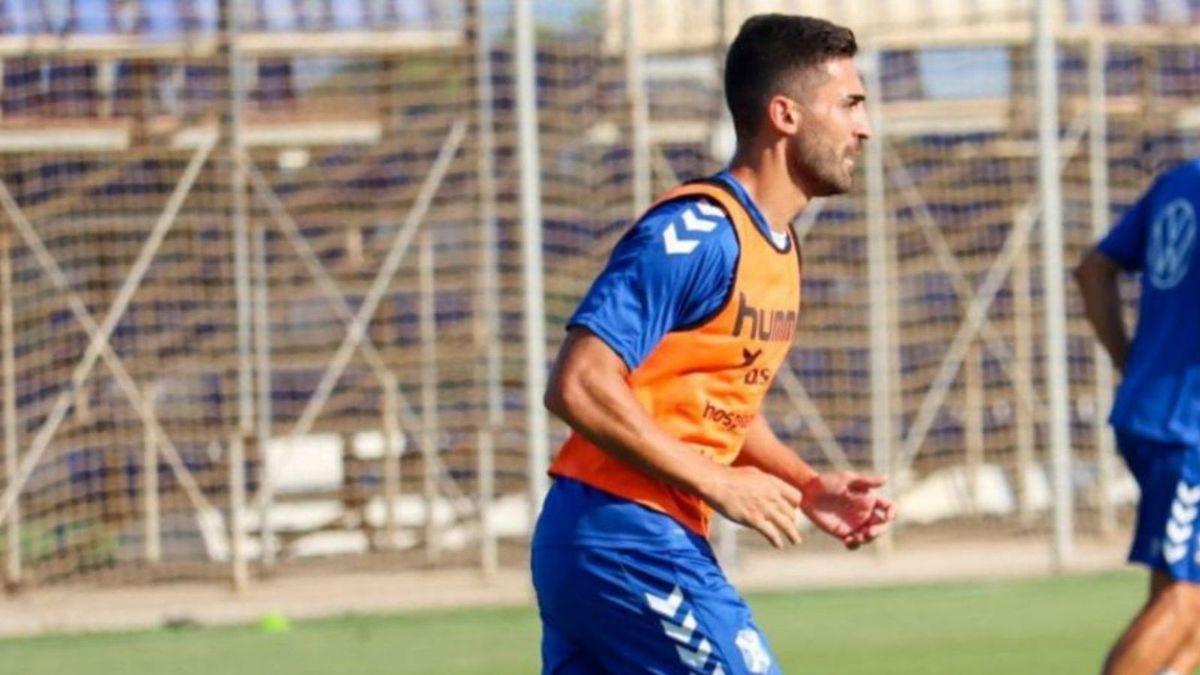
<point x="12" y="565"/>
<point x="536" y="421"/>
<point x="974" y="393"/>
<point x="883" y="433"/>
<point x="232" y="128"/>
<point x="1025" y="417"/>
<point x="1098" y="172"/>
<point x="487" y="324"/>
<point x="1053" y="282"/>
<point x="262" y="371"/>
<point x="394" y="443"/>
<point x="429" y="393"/>
<point x="151" y="525"/>
<point x="639" y="108"/>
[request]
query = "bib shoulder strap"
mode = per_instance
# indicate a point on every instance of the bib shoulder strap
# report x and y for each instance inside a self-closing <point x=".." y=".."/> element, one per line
<point x="713" y="191"/>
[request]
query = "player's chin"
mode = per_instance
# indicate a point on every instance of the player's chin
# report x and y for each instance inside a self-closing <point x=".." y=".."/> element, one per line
<point x="835" y="186"/>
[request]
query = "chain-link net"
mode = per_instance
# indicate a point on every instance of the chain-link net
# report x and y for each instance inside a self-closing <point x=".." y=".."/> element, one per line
<point x="301" y="245"/>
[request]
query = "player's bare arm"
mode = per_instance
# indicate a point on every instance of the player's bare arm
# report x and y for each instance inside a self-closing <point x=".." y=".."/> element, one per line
<point x="846" y="505"/>
<point x="1097" y="279"/>
<point x="588" y="390"/>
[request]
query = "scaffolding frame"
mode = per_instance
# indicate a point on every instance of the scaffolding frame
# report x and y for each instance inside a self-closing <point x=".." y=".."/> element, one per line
<point x="236" y="135"/>
<point x="893" y="448"/>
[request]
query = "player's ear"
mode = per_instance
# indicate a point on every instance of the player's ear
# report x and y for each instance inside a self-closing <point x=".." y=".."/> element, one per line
<point x="784" y="115"/>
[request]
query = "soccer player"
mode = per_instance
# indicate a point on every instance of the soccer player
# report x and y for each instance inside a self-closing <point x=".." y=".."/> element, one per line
<point x="662" y="375"/>
<point x="1156" y="414"/>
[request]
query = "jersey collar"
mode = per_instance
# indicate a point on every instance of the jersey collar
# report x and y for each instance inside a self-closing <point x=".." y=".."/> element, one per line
<point x="780" y="241"/>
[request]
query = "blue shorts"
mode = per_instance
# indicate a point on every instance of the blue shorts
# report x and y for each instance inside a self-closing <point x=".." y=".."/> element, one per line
<point x="613" y="606"/>
<point x="1166" y="536"/>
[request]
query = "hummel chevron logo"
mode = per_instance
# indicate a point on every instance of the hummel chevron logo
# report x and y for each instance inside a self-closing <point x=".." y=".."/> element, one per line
<point x="666" y="606"/>
<point x="684" y="631"/>
<point x="1178" y="532"/>
<point x="1173" y="553"/>
<point x="1184" y="514"/>
<point x="675" y="245"/>
<point x="695" y="219"/>
<point x="695" y="659"/>
<point x="1190" y="496"/>
<point x="1180" y="526"/>
<point x="693" y="223"/>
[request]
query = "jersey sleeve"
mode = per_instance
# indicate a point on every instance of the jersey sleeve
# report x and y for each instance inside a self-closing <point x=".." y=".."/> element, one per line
<point x="672" y="270"/>
<point x="1125" y="243"/>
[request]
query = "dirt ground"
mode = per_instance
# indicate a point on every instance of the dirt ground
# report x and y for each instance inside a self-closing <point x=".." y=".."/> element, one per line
<point x="324" y="592"/>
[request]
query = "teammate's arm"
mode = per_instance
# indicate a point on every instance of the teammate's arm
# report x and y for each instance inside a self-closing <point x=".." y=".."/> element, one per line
<point x="1097" y="278"/>
<point x="589" y="390"/>
<point x="843" y="504"/>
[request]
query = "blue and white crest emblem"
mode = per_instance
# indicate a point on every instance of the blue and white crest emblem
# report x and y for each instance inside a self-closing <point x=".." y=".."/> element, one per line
<point x="749" y="643"/>
<point x="1172" y="239"/>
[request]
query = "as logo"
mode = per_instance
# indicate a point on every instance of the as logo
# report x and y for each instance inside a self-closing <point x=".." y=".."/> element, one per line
<point x="1172" y="239"/>
<point x="754" y="375"/>
<point x="749" y="357"/>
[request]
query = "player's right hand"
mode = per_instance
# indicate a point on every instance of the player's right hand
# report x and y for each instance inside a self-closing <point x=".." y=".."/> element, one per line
<point x="758" y="500"/>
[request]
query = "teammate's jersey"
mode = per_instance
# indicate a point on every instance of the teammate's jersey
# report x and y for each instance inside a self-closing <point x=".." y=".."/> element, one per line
<point x="1159" y="397"/>
<point x="703" y="336"/>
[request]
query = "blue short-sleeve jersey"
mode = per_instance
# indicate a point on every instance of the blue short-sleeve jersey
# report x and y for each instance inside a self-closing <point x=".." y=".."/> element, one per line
<point x="673" y="270"/>
<point x="1159" y="397"/>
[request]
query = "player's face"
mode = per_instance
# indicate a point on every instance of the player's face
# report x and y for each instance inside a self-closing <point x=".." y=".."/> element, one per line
<point x="833" y="125"/>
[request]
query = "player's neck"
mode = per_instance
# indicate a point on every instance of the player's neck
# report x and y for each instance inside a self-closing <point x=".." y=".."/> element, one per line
<point x="763" y="172"/>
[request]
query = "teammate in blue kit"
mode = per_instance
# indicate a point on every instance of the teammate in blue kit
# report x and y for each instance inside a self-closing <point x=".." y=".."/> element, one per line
<point x="662" y="377"/>
<point x="1156" y="414"/>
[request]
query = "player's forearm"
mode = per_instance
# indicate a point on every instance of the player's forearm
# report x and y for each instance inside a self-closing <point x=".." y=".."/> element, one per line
<point x="1109" y="324"/>
<point x="596" y="401"/>
<point x="1098" y="285"/>
<point x="764" y="450"/>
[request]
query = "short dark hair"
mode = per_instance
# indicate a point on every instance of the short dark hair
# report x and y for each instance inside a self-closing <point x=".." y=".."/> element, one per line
<point x="769" y="48"/>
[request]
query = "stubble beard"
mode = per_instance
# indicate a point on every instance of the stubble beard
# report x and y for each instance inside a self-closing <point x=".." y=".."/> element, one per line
<point x="823" y="168"/>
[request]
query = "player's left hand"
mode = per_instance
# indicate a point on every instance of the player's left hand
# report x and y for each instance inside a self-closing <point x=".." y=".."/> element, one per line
<point x="848" y="506"/>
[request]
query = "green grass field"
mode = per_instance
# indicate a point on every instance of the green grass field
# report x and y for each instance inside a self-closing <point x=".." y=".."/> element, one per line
<point x="1043" y="626"/>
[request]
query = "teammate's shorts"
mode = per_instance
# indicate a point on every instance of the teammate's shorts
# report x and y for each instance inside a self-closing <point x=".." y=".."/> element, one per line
<point x="1167" y="534"/>
<point x="622" y="608"/>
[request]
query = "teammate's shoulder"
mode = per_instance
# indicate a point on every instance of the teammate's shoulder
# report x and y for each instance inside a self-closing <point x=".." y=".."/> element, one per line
<point x="1188" y="170"/>
<point x="1179" y="180"/>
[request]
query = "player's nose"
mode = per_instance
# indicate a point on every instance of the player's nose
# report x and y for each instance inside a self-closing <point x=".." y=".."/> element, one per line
<point x="863" y="130"/>
<point x="862" y="124"/>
